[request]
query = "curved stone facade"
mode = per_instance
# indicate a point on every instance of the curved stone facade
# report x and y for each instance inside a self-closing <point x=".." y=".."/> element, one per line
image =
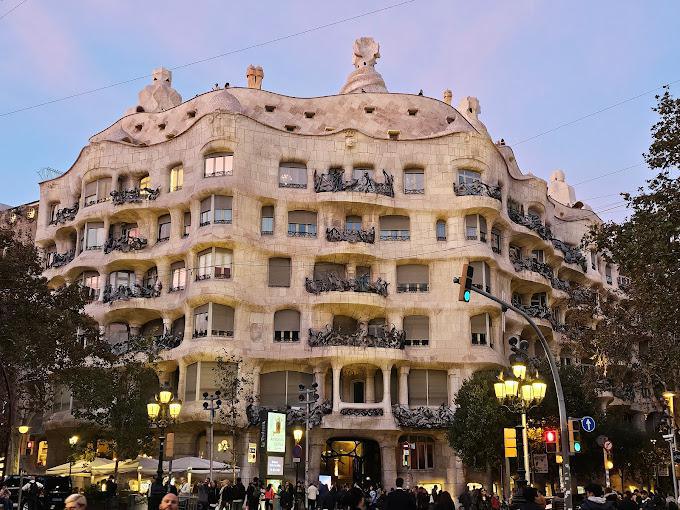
<point x="264" y="163"/>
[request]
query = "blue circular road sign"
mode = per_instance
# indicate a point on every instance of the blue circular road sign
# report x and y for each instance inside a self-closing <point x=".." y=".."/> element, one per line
<point x="587" y="424"/>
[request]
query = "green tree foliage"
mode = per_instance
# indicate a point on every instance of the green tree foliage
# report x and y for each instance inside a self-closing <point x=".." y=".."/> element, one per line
<point x="476" y="434"/>
<point x="44" y="333"/>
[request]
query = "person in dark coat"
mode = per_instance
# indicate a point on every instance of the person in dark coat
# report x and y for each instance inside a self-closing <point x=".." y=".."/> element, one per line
<point x="253" y="496"/>
<point x="287" y="497"/>
<point x="595" y="499"/>
<point x="534" y="500"/>
<point x="465" y="499"/>
<point x="399" y="499"/>
<point x="444" y="501"/>
<point x="628" y="502"/>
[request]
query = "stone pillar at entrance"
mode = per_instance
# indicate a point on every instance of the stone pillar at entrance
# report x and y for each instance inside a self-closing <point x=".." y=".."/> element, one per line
<point x="336" y="388"/>
<point x="256" y="384"/>
<point x="387" y="395"/>
<point x="249" y="471"/>
<point x="316" y="446"/>
<point x="454" y="383"/>
<point x="388" y="459"/>
<point x="403" y="385"/>
<point x="370" y="385"/>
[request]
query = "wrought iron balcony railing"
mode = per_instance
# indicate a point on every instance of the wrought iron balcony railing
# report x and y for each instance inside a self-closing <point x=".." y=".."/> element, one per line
<point x="60" y="259"/>
<point x="125" y="244"/>
<point x="64" y="215"/>
<point x="125" y="292"/>
<point x="376" y="336"/>
<point x="537" y="311"/>
<point x="477" y="188"/>
<point x="334" y="235"/>
<point x="395" y="235"/>
<point x="531" y="222"/>
<point x="423" y="417"/>
<point x="134" y="196"/>
<point x="413" y="287"/>
<point x="334" y="181"/>
<point x="532" y="265"/>
<point x="571" y="255"/>
<point x="332" y="282"/>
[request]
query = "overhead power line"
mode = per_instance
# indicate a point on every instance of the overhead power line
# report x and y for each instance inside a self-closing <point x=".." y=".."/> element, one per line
<point x="208" y="59"/>
<point x="610" y="173"/>
<point x="7" y="13"/>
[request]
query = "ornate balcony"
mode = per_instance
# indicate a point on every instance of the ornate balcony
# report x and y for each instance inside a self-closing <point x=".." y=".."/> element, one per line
<point x="532" y="265"/>
<point x="537" y="311"/>
<point x="531" y="222"/>
<point x="383" y="336"/>
<point x="583" y="295"/>
<point x="412" y="287"/>
<point x="257" y="414"/>
<point x="360" y="411"/>
<point x="334" y="181"/>
<point x="134" y="196"/>
<point x="571" y="255"/>
<point x="60" y="259"/>
<point x="162" y="342"/>
<point x="64" y="215"/>
<point x="335" y="235"/>
<point x="125" y="244"/>
<point x="423" y="417"/>
<point x="558" y="284"/>
<point x="332" y="282"/>
<point x="477" y="188"/>
<point x="125" y="292"/>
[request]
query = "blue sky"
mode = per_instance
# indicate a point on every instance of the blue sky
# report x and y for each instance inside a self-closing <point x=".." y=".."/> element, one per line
<point x="533" y="65"/>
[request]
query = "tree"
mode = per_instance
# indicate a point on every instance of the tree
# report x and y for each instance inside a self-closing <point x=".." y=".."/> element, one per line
<point x="476" y="434"/>
<point x="44" y="333"/>
<point x="646" y="247"/>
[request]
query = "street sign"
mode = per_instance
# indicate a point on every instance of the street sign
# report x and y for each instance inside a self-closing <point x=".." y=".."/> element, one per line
<point x="676" y="456"/>
<point x="608" y="445"/>
<point x="587" y="424"/>
<point x="540" y="463"/>
<point x="663" y="470"/>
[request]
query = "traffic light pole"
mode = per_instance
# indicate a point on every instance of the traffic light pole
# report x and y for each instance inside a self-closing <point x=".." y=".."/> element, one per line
<point x="564" y="424"/>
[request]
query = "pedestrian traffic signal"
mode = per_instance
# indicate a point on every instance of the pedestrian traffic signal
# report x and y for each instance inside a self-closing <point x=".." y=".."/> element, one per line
<point x="550" y="437"/>
<point x="466" y="283"/>
<point x="574" y="436"/>
<point x="510" y="443"/>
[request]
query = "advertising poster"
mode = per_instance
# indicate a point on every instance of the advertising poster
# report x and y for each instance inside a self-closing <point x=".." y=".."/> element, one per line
<point x="276" y="432"/>
<point x="274" y="466"/>
<point x="252" y="453"/>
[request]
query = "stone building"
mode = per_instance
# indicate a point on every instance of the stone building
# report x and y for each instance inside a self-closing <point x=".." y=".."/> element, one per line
<point x="316" y="239"/>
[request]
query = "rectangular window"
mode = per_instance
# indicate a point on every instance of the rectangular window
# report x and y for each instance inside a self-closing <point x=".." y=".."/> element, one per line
<point x="363" y="271"/>
<point x="222" y="320"/>
<point x="427" y="387"/>
<point x="164" y="228"/>
<point x="468" y="177"/>
<point x="414" y="182"/>
<point x="267" y="225"/>
<point x="204" y="265"/>
<point x="190" y="377"/>
<point x="187" y="224"/>
<point x="395" y="228"/>
<point x="495" y="241"/>
<point x="201" y="320"/>
<point x="95" y="236"/>
<point x="279" y="272"/>
<point x="482" y="275"/>
<point x="176" y="178"/>
<point x="179" y="276"/>
<point x="222" y="260"/>
<point x="302" y="224"/>
<point x="353" y="223"/>
<point x="539" y="299"/>
<point x="222" y="209"/>
<point x="206" y="209"/>
<point x="218" y="164"/>
<point x="292" y="175"/>
<point x="413" y="278"/>
<point x="479" y="327"/>
<point x="538" y="255"/>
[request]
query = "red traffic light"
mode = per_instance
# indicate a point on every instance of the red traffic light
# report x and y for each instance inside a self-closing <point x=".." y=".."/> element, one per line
<point x="550" y="436"/>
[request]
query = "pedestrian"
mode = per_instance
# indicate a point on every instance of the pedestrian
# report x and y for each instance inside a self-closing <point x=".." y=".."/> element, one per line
<point x="238" y="495"/>
<point x="628" y="502"/>
<point x="269" y="498"/>
<point x="287" y="496"/>
<point x="444" y="501"/>
<point x="465" y="498"/>
<point x="76" y="502"/>
<point x="595" y="498"/>
<point x="533" y="500"/>
<point x="6" y="499"/>
<point x="252" y="496"/>
<point x="169" y="502"/>
<point x="435" y="493"/>
<point x="422" y="498"/>
<point x="204" y="495"/>
<point x="399" y="499"/>
<point x="312" y="495"/>
<point x="32" y="491"/>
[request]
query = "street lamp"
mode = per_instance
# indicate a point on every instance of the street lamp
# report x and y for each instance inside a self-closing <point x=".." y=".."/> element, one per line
<point x="72" y="441"/>
<point x="669" y="435"/>
<point x="23" y="430"/>
<point x="297" y="435"/>
<point x="519" y="392"/>
<point x="163" y="411"/>
<point x="212" y="402"/>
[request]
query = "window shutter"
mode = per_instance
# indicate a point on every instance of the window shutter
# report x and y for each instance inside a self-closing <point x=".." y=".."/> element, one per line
<point x="177" y="265"/>
<point x="417" y="387"/>
<point x="287" y="320"/>
<point x="471" y="222"/>
<point x="210" y="377"/>
<point x="206" y="204"/>
<point x="279" y="272"/>
<point x="417" y="327"/>
<point x="394" y="223"/>
<point x="268" y="211"/>
<point x="478" y="323"/>
<point x="304" y="217"/>
<point x="437" y="382"/>
<point x="164" y="219"/>
<point x="91" y="188"/>
<point x="412" y="273"/>
<point x="273" y="389"/>
<point x="190" y="382"/>
<point x="322" y="269"/>
<point x="222" y="202"/>
<point x="222" y="318"/>
<point x="294" y="380"/>
<point x="187" y="218"/>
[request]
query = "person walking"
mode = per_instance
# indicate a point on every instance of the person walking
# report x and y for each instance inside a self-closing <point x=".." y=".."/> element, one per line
<point x="287" y="497"/>
<point x="204" y="495"/>
<point x="444" y="501"/>
<point x="399" y="499"/>
<point x="465" y="499"/>
<point x="253" y="496"/>
<point x="269" y="497"/>
<point x="312" y="495"/>
<point x="238" y="495"/>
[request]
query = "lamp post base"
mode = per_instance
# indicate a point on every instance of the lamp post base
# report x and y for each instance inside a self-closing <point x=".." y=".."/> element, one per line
<point x="158" y="490"/>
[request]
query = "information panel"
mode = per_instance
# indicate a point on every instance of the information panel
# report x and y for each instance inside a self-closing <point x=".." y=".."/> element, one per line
<point x="276" y="432"/>
<point x="274" y="466"/>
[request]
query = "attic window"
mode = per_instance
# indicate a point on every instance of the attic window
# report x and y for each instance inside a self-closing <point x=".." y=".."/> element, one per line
<point x="170" y="135"/>
<point x="290" y="127"/>
<point x="450" y="119"/>
<point x="126" y="140"/>
<point x="139" y="109"/>
<point x="269" y="107"/>
<point x="161" y="126"/>
<point x="191" y="114"/>
<point x="369" y="109"/>
<point x="310" y="115"/>
<point x="393" y="134"/>
<point x="412" y="111"/>
<point x="139" y="127"/>
<point x="470" y="110"/>
<point x="329" y="128"/>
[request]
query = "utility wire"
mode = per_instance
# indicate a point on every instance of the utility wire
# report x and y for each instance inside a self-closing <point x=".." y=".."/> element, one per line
<point x="610" y="173"/>
<point x="4" y="15"/>
<point x="208" y="59"/>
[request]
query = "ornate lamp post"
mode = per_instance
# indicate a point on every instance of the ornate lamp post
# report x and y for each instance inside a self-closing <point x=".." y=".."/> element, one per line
<point x="212" y="402"/>
<point x="297" y="435"/>
<point x="72" y="441"/>
<point x="163" y="411"/>
<point x="519" y="392"/>
<point x="669" y="435"/>
<point x="23" y="430"/>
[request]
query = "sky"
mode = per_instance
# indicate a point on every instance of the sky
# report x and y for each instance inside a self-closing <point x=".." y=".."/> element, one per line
<point x="533" y="65"/>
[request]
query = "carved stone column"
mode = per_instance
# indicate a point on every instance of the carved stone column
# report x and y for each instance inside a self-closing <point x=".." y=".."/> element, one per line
<point x="103" y="282"/>
<point x="388" y="459"/>
<point x="387" y="395"/>
<point x="403" y="385"/>
<point x="454" y="381"/>
<point x="317" y="445"/>
<point x="256" y="384"/>
<point x="370" y="384"/>
<point x="337" y="369"/>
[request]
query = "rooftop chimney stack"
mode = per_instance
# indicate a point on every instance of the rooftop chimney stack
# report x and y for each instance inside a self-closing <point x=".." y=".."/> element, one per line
<point x="448" y="96"/>
<point x="254" y="75"/>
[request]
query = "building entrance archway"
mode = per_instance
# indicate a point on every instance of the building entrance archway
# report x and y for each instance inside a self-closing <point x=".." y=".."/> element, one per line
<point x="352" y="460"/>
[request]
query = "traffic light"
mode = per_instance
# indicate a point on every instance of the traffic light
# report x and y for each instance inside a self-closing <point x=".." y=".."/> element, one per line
<point x="574" y="436"/>
<point x="466" y="282"/>
<point x="550" y="437"/>
<point x="510" y="442"/>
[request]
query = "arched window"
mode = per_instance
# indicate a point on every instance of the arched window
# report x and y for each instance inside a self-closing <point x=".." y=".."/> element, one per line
<point x="441" y="230"/>
<point x="345" y="325"/>
<point x="468" y="177"/>
<point x="287" y="326"/>
<point x="122" y="279"/>
<point x="97" y="191"/>
<point x="218" y="164"/>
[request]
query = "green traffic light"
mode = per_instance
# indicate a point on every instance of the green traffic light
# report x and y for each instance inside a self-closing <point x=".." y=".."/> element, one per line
<point x="577" y="447"/>
<point x="466" y="296"/>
